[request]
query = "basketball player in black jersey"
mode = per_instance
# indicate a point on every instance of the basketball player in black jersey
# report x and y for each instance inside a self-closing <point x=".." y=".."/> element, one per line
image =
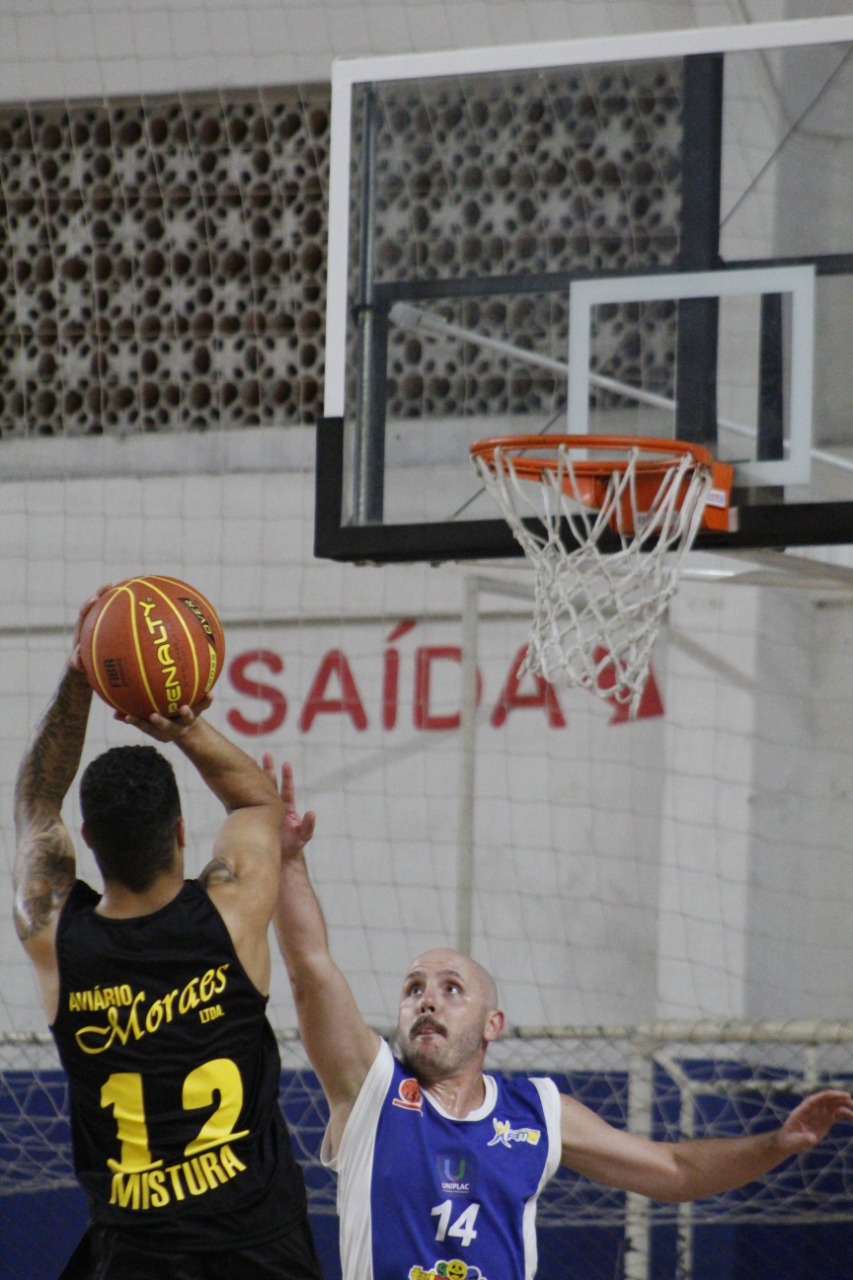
<point x="156" y="992"/>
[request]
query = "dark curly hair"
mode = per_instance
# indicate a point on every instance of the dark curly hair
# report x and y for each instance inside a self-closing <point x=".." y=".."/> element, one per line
<point x="130" y="804"/>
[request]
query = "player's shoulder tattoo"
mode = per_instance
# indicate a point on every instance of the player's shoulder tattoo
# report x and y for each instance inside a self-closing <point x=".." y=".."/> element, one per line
<point x="218" y="871"/>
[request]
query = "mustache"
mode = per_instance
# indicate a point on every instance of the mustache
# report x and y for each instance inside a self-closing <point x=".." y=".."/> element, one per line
<point x="427" y="1020"/>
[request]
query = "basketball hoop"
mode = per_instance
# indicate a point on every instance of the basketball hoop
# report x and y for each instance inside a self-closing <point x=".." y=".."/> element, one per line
<point x="606" y="542"/>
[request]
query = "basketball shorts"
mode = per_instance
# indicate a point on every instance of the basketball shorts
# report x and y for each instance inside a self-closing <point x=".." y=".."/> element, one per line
<point x="104" y="1253"/>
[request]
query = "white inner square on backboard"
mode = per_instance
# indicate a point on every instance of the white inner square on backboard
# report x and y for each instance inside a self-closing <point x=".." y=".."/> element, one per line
<point x="795" y="283"/>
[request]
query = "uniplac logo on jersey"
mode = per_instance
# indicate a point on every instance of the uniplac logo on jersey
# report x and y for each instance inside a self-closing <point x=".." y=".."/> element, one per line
<point x="455" y="1174"/>
<point x="421" y="686"/>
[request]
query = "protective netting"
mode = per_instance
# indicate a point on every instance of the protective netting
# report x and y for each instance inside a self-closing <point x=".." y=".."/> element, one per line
<point x="667" y="1080"/>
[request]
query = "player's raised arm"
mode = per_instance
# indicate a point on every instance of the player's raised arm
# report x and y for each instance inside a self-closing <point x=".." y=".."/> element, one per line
<point x="45" y="862"/>
<point x="242" y="875"/>
<point x="679" y="1171"/>
<point x="340" y="1045"/>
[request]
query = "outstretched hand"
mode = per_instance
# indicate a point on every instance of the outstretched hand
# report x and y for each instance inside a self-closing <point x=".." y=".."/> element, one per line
<point x="297" y="831"/>
<point x="809" y="1123"/>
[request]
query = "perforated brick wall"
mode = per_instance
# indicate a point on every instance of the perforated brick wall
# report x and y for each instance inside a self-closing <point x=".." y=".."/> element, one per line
<point x="162" y="262"/>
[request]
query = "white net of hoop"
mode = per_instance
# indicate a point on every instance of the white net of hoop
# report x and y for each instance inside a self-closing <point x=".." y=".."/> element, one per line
<point x="597" y="610"/>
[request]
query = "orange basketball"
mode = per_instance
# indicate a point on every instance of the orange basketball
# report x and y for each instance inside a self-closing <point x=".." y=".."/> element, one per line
<point x="152" y="644"/>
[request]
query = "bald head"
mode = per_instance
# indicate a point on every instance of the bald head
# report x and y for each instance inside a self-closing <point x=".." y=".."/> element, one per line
<point x="475" y="976"/>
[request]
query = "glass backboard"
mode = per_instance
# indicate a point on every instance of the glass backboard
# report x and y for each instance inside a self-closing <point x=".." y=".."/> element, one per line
<point x="644" y="237"/>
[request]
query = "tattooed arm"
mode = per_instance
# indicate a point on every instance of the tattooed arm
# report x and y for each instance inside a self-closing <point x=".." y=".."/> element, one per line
<point x="44" y="868"/>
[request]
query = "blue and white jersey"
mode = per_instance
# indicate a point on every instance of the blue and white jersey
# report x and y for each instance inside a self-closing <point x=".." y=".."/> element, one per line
<point x="425" y="1196"/>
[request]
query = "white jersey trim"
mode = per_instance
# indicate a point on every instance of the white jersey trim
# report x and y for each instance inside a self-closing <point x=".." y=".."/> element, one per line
<point x="550" y="1097"/>
<point x="353" y="1157"/>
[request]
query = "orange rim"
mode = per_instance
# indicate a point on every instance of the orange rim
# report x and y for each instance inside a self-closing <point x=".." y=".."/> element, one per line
<point x="589" y="479"/>
<point x="533" y="467"/>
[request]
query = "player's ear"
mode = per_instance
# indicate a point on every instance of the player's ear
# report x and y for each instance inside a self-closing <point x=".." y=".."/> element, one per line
<point x="181" y="834"/>
<point x="495" y="1024"/>
<point x="85" y="834"/>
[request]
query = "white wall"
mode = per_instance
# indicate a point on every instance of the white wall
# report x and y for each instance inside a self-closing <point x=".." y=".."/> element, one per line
<point x="54" y="49"/>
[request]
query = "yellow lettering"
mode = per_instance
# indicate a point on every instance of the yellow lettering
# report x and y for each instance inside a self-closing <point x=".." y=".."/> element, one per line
<point x="212" y="1170"/>
<point x="150" y="1189"/>
<point x="193" y="1177"/>
<point x="100" y="998"/>
<point x="159" y="1190"/>
<point x="154" y="1016"/>
<point x="103" y="1037"/>
<point x="125" y="1193"/>
<point x="230" y="1163"/>
<point x="189" y="996"/>
<point x="121" y="1028"/>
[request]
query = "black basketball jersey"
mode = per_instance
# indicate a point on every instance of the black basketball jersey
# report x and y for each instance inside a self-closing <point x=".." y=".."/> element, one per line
<point x="173" y="1076"/>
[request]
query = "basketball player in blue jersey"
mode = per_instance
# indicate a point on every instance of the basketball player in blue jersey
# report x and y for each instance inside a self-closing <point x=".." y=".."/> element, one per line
<point x="156" y="993"/>
<point x="440" y="1165"/>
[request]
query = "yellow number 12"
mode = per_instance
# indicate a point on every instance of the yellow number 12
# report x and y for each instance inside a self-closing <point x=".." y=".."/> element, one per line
<point x="218" y="1079"/>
